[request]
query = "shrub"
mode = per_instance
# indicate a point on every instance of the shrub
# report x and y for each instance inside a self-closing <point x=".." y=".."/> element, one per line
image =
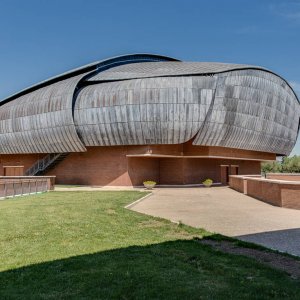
<point x="150" y="182"/>
<point x="208" y="181"/>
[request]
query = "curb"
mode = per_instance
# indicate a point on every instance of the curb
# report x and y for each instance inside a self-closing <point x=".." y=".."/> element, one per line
<point x="137" y="201"/>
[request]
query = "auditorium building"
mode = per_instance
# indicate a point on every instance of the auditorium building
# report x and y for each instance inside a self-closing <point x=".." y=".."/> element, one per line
<point x="141" y="117"/>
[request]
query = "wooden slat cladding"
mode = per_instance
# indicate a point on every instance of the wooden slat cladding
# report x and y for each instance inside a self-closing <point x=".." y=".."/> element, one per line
<point x="41" y="121"/>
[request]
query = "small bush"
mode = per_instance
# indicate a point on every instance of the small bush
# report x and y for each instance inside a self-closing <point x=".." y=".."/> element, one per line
<point x="208" y="181"/>
<point x="150" y="182"/>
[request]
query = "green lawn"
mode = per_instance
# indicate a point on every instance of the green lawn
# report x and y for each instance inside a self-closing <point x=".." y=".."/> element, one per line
<point x="85" y="245"/>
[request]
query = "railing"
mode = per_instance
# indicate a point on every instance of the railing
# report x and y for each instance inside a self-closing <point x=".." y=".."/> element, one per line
<point x="43" y="163"/>
<point x="11" y="186"/>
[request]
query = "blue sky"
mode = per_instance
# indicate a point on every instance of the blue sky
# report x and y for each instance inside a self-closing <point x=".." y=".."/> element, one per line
<point x="39" y="38"/>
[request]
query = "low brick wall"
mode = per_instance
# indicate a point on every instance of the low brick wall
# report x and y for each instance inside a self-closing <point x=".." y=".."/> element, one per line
<point x="264" y="190"/>
<point x="11" y="186"/>
<point x="284" y="176"/>
<point x="237" y="183"/>
<point x="290" y="195"/>
<point x="281" y="193"/>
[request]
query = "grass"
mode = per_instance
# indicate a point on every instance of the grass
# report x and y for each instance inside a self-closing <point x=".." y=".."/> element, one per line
<point x="85" y="245"/>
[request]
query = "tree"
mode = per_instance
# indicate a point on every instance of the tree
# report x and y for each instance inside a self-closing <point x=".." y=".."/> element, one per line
<point x="288" y="165"/>
<point x="291" y="164"/>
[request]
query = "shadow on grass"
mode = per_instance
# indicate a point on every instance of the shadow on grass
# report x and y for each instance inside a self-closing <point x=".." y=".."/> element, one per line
<point x="181" y="269"/>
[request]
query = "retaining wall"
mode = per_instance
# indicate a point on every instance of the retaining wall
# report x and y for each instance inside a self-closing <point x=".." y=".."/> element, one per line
<point x="281" y="193"/>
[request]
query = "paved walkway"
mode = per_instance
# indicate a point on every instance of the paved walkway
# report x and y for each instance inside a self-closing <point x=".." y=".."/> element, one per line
<point x="225" y="211"/>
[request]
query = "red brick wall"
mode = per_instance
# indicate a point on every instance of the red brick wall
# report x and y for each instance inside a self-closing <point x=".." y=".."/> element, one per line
<point x="277" y="193"/>
<point x="196" y="170"/>
<point x="101" y="166"/>
<point x="97" y="166"/>
<point x="266" y="191"/>
<point x="290" y="196"/>
<point x="26" y="160"/>
<point x="141" y="169"/>
<point x="171" y="171"/>
<point x="237" y="183"/>
<point x="111" y="166"/>
<point x="231" y="152"/>
<point x="282" y="176"/>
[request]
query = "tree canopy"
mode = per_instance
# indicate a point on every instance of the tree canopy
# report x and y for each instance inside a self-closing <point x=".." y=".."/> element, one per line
<point x="287" y="165"/>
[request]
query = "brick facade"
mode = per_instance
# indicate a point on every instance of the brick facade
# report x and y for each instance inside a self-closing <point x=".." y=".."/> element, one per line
<point x="122" y="165"/>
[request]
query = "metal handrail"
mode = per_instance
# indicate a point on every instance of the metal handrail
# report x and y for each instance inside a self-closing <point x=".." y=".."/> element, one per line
<point x="43" y="163"/>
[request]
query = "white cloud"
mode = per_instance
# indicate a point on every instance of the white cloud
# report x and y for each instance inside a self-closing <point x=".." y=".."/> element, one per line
<point x="287" y="9"/>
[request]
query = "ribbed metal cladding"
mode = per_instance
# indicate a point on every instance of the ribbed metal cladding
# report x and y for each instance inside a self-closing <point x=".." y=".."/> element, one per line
<point x="143" y="111"/>
<point x="244" y="109"/>
<point x="123" y="101"/>
<point x="252" y="110"/>
<point x="41" y="121"/>
<point x="161" y="69"/>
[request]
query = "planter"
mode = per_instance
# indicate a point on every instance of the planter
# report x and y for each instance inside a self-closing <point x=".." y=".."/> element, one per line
<point x="207" y="184"/>
<point x="149" y="185"/>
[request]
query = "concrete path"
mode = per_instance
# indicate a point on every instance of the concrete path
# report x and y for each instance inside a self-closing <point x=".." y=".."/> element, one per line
<point x="225" y="211"/>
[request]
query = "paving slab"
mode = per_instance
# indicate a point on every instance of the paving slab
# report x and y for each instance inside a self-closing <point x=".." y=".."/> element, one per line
<point x="223" y="210"/>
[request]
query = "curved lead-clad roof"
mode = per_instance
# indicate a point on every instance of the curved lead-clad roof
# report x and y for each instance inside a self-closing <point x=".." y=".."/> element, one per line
<point x="150" y="99"/>
<point x="40" y="119"/>
<point x="93" y="67"/>
<point x="152" y="69"/>
<point x="175" y="68"/>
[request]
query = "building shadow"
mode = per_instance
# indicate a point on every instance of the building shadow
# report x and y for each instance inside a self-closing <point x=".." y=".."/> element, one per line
<point x="287" y="240"/>
<point x="178" y="269"/>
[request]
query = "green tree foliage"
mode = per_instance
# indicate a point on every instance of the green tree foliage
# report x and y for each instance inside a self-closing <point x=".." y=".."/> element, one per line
<point x="287" y="165"/>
